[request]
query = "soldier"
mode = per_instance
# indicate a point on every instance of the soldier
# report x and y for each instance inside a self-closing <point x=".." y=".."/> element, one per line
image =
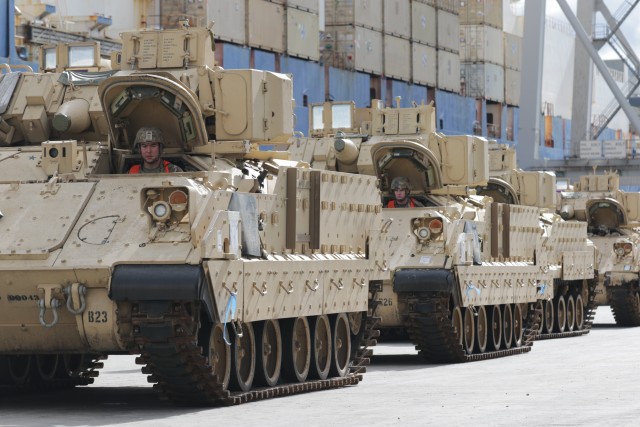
<point x="401" y="189"/>
<point x="149" y="143"/>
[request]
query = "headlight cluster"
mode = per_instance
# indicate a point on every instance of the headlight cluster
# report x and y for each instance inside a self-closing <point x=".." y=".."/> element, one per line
<point x="427" y="228"/>
<point x="166" y="204"/>
<point x="622" y="248"/>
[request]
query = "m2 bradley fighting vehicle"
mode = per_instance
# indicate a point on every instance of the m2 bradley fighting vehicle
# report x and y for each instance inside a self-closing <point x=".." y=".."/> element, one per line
<point x="571" y="310"/>
<point x="469" y="273"/>
<point x="613" y="224"/>
<point x="243" y="277"/>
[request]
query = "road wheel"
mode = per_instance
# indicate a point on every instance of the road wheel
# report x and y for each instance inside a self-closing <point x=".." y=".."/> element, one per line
<point x="579" y="313"/>
<point x="243" y="360"/>
<point x="297" y="350"/>
<point x="457" y="324"/>
<point x="469" y="331"/>
<point x="482" y="333"/>
<point x="220" y="356"/>
<point x="518" y="329"/>
<point x="341" y="345"/>
<point x="507" y="326"/>
<point x="561" y="314"/>
<point x="269" y="347"/>
<point x="495" y="320"/>
<point x="320" y="347"/>
<point x="549" y="316"/>
<point x="571" y="312"/>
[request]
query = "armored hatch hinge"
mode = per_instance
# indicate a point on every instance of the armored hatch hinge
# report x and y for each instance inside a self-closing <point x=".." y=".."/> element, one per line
<point x="264" y="87"/>
<point x="52" y="186"/>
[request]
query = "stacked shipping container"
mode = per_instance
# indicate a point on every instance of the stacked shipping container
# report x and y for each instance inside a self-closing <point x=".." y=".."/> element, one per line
<point x="481" y="49"/>
<point x="512" y="67"/>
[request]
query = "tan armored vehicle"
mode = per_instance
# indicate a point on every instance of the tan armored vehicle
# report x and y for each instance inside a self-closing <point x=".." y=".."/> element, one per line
<point x="570" y="304"/>
<point x="469" y="273"/>
<point x="613" y="223"/>
<point x="243" y="277"/>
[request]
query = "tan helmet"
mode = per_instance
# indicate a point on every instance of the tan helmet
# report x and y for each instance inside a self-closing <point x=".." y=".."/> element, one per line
<point x="399" y="183"/>
<point x="148" y="134"/>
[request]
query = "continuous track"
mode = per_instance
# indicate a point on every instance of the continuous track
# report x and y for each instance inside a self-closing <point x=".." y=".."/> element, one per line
<point x="165" y="335"/>
<point x="589" y="314"/>
<point x="625" y="304"/>
<point x="429" y="326"/>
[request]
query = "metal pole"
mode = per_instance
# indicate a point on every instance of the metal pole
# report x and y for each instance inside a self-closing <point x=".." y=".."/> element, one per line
<point x="604" y="70"/>
<point x="531" y="84"/>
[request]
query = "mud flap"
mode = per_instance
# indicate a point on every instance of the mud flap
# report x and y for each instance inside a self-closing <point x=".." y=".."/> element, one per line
<point x="161" y="283"/>
<point x="423" y="280"/>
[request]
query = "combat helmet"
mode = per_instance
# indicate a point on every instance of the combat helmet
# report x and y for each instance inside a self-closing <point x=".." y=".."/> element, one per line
<point x="400" y="183"/>
<point x="148" y="134"/>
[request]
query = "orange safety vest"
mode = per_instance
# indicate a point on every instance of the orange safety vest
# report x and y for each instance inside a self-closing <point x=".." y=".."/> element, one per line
<point x="412" y="203"/>
<point x="137" y="168"/>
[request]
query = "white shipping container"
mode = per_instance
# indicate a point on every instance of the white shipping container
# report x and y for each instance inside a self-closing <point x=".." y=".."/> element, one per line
<point x="424" y="64"/>
<point x="448" y="5"/>
<point x="358" y="48"/>
<point x="229" y="17"/>
<point x="481" y="12"/>
<point x="397" y="58"/>
<point x="308" y="5"/>
<point x="512" y="81"/>
<point x="303" y="34"/>
<point x="448" y="31"/>
<point x="397" y="15"/>
<point x="365" y="13"/>
<point x="448" y="71"/>
<point x="483" y="80"/>
<point x="512" y="51"/>
<point x="481" y="43"/>
<point x="266" y="24"/>
<point x="423" y="23"/>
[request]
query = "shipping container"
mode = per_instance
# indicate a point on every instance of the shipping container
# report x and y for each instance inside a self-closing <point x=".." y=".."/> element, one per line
<point x="448" y="31"/>
<point x="364" y="13"/>
<point x="266" y="25"/>
<point x="423" y="23"/>
<point x="424" y="64"/>
<point x="512" y="82"/>
<point x="308" y="5"/>
<point x="303" y="34"/>
<point x="345" y="85"/>
<point x="397" y="58"/>
<point x="232" y="56"/>
<point x="448" y="71"/>
<point x="448" y="5"/>
<point x="229" y="20"/>
<point x="356" y="48"/>
<point x="173" y="11"/>
<point x="483" y="80"/>
<point x="481" y="43"/>
<point x="481" y="12"/>
<point x="512" y="51"/>
<point x="397" y="16"/>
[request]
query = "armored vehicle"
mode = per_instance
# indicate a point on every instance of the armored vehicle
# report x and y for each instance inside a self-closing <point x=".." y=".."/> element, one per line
<point x="613" y="222"/>
<point x="571" y="310"/>
<point x="469" y="272"/>
<point x="245" y="276"/>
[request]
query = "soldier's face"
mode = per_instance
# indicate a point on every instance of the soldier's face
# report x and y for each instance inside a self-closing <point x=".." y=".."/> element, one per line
<point x="150" y="152"/>
<point x="400" y="194"/>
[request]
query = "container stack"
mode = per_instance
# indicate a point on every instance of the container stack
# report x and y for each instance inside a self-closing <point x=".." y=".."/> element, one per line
<point x="424" y="56"/>
<point x="512" y="68"/>
<point x="397" y="39"/>
<point x="448" y="45"/>
<point x="482" y="71"/>
<point x="354" y="37"/>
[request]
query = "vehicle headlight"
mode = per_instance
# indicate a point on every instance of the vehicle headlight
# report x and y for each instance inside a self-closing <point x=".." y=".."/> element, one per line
<point x="161" y="211"/>
<point x="622" y="248"/>
<point x="427" y="228"/>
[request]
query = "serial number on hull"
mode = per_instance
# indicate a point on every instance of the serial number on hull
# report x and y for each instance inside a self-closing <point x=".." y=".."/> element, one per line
<point x="97" y="316"/>
<point x="21" y="298"/>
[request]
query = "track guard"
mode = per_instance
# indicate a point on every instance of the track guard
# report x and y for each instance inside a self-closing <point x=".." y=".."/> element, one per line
<point x="161" y="282"/>
<point x="423" y="280"/>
